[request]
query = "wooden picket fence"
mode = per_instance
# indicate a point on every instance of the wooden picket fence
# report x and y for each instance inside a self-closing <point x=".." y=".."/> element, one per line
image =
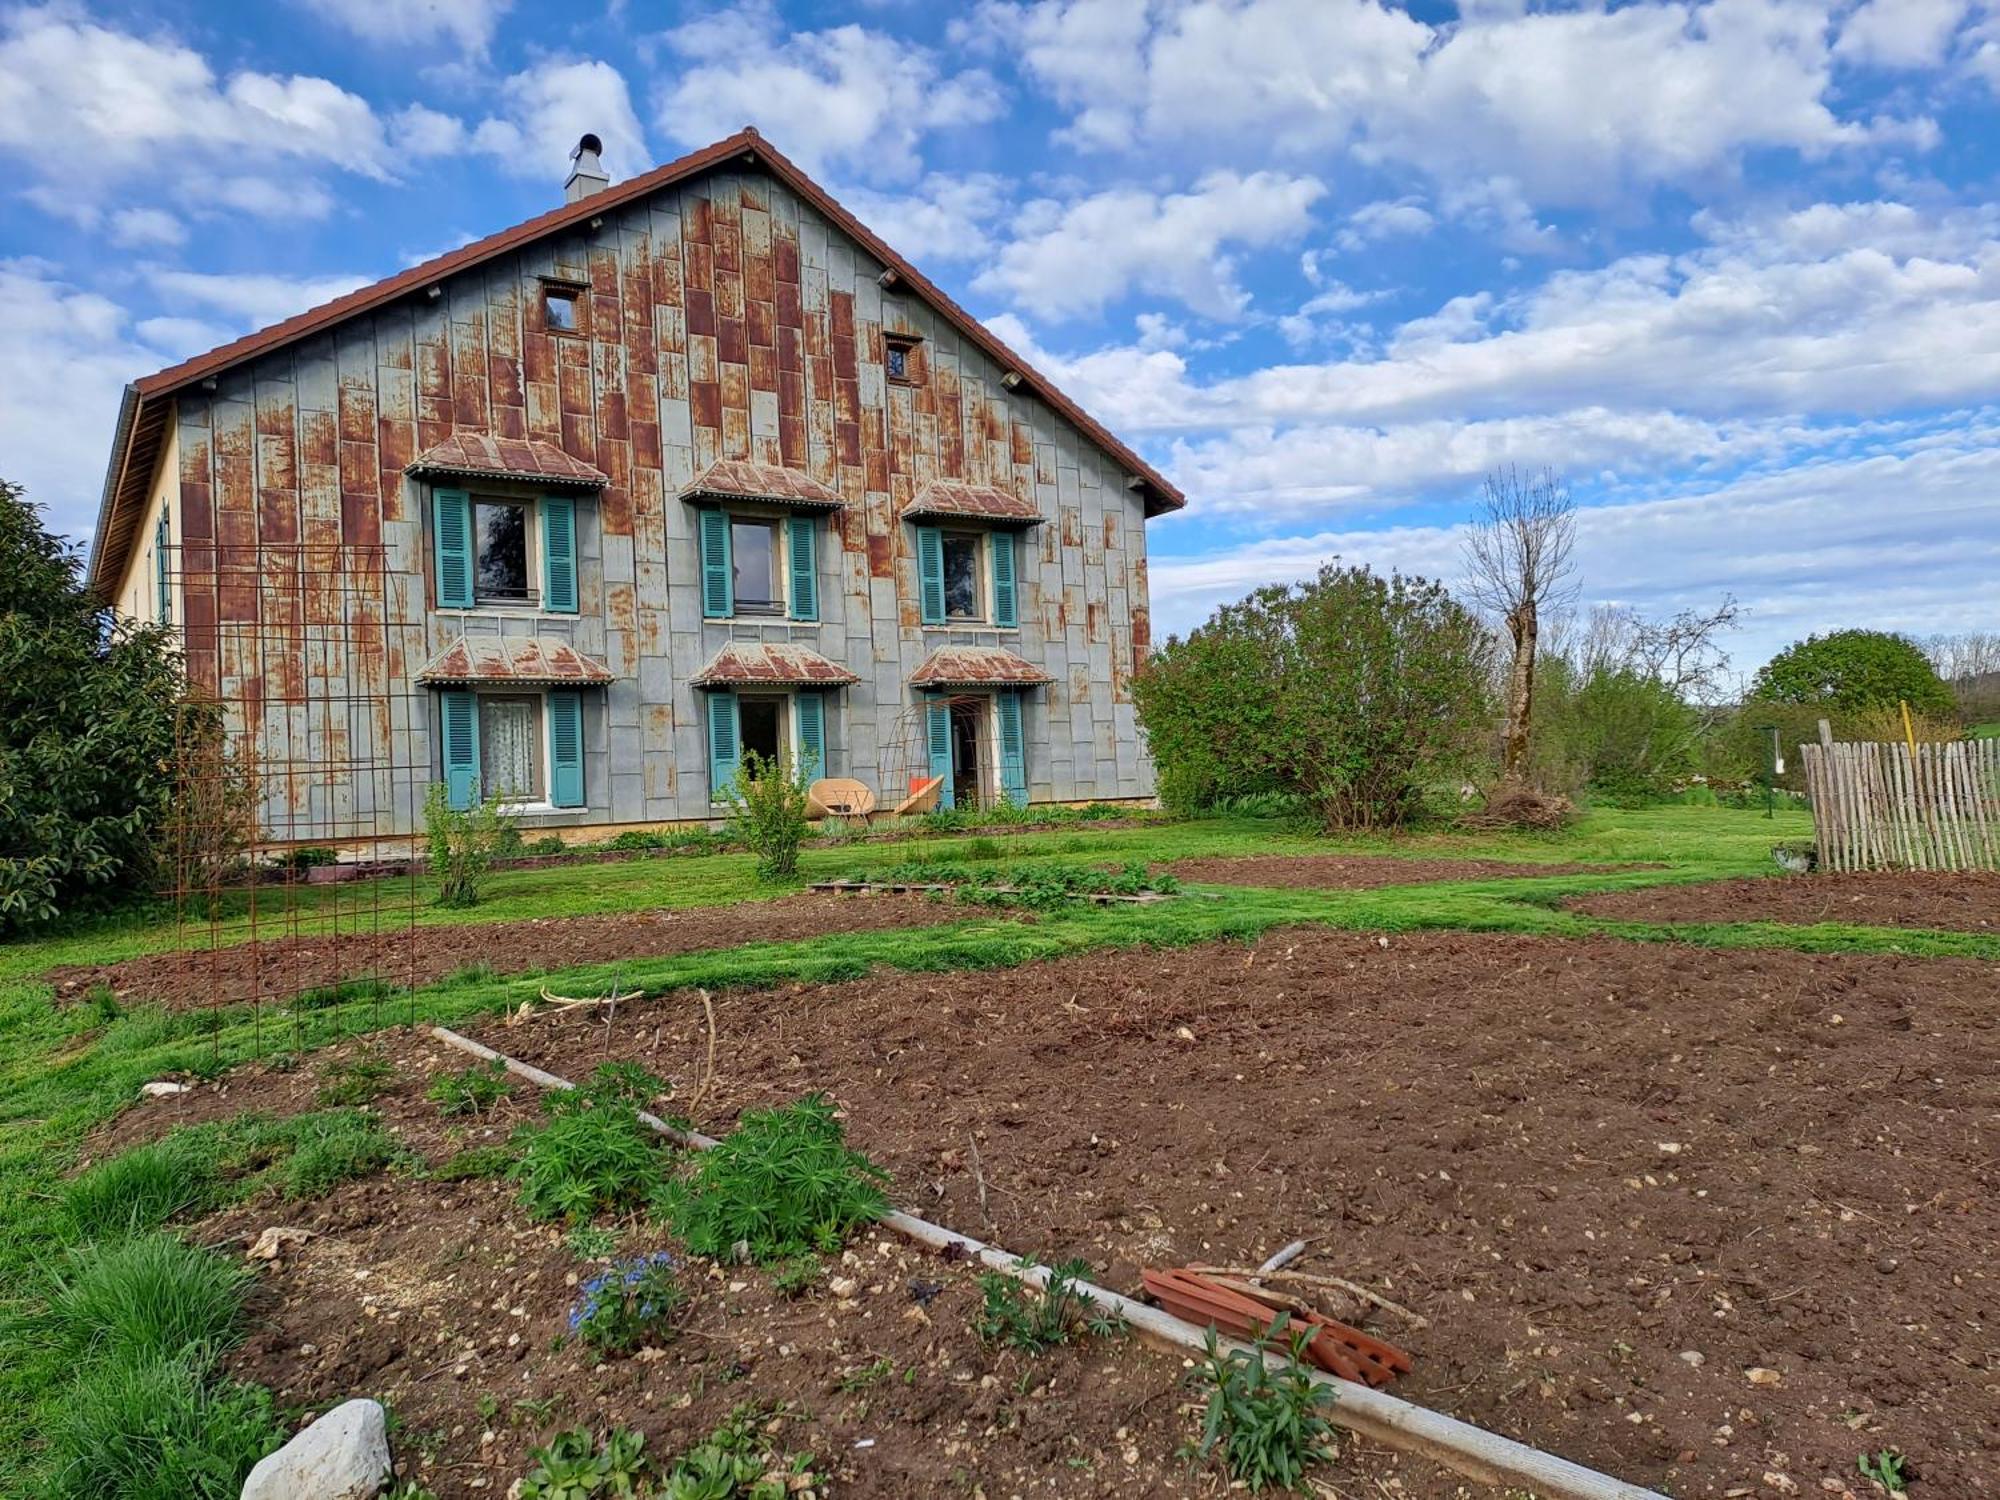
<point x="1879" y="807"/>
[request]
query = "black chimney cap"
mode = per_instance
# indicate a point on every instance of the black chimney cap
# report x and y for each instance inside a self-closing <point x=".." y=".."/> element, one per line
<point x="590" y="142"/>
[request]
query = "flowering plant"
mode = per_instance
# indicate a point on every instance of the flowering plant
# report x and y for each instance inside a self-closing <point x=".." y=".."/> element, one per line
<point x="627" y="1304"/>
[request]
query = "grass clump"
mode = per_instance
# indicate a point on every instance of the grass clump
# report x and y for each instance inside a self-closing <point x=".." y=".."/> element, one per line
<point x="471" y="1091"/>
<point x="782" y="1184"/>
<point x="473" y="1164"/>
<point x="312" y="1154"/>
<point x="1014" y="1315"/>
<point x="356" y="1080"/>
<point x="590" y="1155"/>
<point x="1269" y="1424"/>
<point x="145" y="1187"/>
<point x="156" y="1429"/>
<point x="139" y="1299"/>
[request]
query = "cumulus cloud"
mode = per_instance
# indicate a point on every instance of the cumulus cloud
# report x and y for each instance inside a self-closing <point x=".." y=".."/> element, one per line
<point x="544" y="110"/>
<point x="1074" y="257"/>
<point x="1900" y="33"/>
<point x="945" y="216"/>
<point x="468" y="24"/>
<point x="249" y="301"/>
<point x="1386" y="218"/>
<point x="142" y="228"/>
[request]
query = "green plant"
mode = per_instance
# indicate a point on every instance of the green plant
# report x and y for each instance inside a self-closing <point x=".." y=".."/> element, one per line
<point x="782" y="1183"/>
<point x="630" y="1303"/>
<point x="590" y="1241"/>
<point x="470" y="1091"/>
<point x="464" y="843"/>
<point x="768" y="812"/>
<point x="305" y="857"/>
<point x="1855" y="669"/>
<point x="355" y="1080"/>
<point x="147" y="1297"/>
<point x="548" y="844"/>
<point x="103" y="1000"/>
<point x="796" y="1275"/>
<point x="346" y="991"/>
<point x="737" y="1462"/>
<point x="1886" y="1469"/>
<point x="156" y="1430"/>
<point x="575" y="1467"/>
<point x="1015" y="1315"/>
<point x="319" y="1151"/>
<point x="474" y="1162"/>
<point x="1269" y="1424"/>
<point x="144" y="1187"/>
<point x="590" y="1154"/>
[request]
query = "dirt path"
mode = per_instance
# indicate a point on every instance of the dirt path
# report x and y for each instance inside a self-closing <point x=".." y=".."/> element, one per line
<point x="1968" y="901"/>
<point x="1363" y="872"/>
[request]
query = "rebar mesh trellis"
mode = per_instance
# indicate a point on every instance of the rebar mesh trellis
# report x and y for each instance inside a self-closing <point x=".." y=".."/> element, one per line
<point x="907" y="759"/>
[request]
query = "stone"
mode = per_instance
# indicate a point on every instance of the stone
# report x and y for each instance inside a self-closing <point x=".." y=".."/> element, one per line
<point x="1759" y="1375"/>
<point x="274" y="1241"/>
<point x="163" y="1088"/>
<point x="342" y="1456"/>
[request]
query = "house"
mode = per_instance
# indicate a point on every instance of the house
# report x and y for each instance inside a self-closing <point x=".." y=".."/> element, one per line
<point x="690" y="468"/>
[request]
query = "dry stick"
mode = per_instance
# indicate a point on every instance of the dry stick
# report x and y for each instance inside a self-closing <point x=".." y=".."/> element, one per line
<point x="1306" y="1278"/>
<point x="979" y="1176"/>
<point x="708" y="1073"/>
<point x="1472" y="1451"/>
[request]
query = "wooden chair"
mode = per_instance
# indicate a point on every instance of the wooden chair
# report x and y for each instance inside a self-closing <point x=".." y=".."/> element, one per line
<point x="839" y="797"/>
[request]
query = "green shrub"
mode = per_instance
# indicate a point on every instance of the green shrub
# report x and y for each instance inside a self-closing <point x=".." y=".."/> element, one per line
<point x="464" y="844"/>
<point x="470" y="1091"/>
<point x="590" y="1155"/>
<point x="474" y="1163"/>
<point x="768" y="813"/>
<point x="1016" y="1316"/>
<point x="143" y="1298"/>
<point x="1269" y="1424"/>
<point x="155" y="1430"/>
<point x="782" y="1183"/>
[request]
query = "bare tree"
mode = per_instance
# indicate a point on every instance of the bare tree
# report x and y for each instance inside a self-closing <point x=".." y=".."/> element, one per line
<point x="1518" y="565"/>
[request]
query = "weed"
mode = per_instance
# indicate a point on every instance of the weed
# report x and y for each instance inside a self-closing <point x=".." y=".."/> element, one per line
<point x="783" y="1183"/>
<point x="471" y="1091"/>
<point x="343" y="993"/>
<point x="589" y="1242"/>
<point x="1885" y="1468"/>
<point x="357" y="1080"/>
<point x="867" y="1375"/>
<point x="144" y="1298"/>
<point x="102" y="999"/>
<point x="1016" y="1316"/>
<point x="1268" y="1423"/>
<point x="796" y="1275"/>
<point x="630" y="1304"/>
<point x="156" y="1430"/>
<point x="320" y="1151"/>
<point x="575" y="1467"/>
<point x="590" y="1155"/>
<point x="736" y="1462"/>
<point x="471" y="974"/>
<point x="473" y="1163"/>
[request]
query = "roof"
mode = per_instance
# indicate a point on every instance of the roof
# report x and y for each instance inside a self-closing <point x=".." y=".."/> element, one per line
<point x="769" y="664"/>
<point x="739" y="479"/>
<point x="527" y="659"/>
<point x="976" y="666"/>
<point x="979" y="502"/>
<point x="474" y="455"/>
<point x="143" y="413"/>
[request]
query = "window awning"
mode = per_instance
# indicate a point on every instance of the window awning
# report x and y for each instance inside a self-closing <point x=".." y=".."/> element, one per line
<point x="976" y="667"/>
<point x="949" y="499"/>
<point x="739" y="479"/>
<point x="751" y="664"/>
<point x="475" y="455"/>
<point x="492" y="660"/>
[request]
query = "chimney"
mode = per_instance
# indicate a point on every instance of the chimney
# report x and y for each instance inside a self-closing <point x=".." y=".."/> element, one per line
<point x="586" y="172"/>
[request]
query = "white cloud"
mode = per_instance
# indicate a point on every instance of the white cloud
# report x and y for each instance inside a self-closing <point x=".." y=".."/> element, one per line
<point x="545" y="109"/>
<point x="1900" y="33"/>
<point x="251" y="301"/>
<point x="845" y="97"/>
<point x="139" y="228"/>
<point x="1075" y="257"/>
<point x="1386" y="218"/>
<point x="469" y="24"/>
<point x="944" y="217"/>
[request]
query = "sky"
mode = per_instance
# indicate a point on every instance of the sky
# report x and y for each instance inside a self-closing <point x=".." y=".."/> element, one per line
<point x="1731" y="268"/>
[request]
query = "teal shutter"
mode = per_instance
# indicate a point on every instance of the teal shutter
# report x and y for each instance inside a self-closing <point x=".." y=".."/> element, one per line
<point x="558" y="554"/>
<point x="458" y="717"/>
<point x="718" y="587"/>
<point x="1013" y="748"/>
<point x="802" y="543"/>
<point x="930" y="573"/>
<point x="724" y="745"/>
<point x="938" y="724"/>
<point x="451" y="521"/>
<point x="1005" y="613"/>
<point x="162" y="574"/>
<point x="811" y="711"/>
<point x="566" y="748"/>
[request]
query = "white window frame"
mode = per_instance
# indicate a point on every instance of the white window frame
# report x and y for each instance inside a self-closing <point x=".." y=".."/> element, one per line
<point x="532" y="538"/>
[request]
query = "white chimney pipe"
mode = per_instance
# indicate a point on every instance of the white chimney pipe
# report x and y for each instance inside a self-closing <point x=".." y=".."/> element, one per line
<point x="586" y="172"/>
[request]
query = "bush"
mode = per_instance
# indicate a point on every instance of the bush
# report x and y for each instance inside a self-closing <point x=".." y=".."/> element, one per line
<point x="1617" y="731"/>
<point x="144" y="1298"/>
<point x="1855" y="669"/>
<point x="1268" y="1424"/>
<point x="1353" y="692"/>
<point x="768" y="814"/>
<point x="464" y="844"/>
<point x="591" y="1155"/>
<point x="156" y="1430"/>
<point x="782" y="1183"/>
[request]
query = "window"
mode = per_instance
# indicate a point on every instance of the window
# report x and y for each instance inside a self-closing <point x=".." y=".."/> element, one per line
<point x="510" y="746"/>
<point x="501" y="557"/>
<point x="562" y="309"/>
<point x="899" y="357"/>
<point x="788" y="728"/>
<point x="758" y="586"/>
<point x="761" y="729"/>
<point x="961" y="576"/>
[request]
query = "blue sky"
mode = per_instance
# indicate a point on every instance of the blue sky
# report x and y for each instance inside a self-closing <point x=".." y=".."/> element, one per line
<point x="1732" y="267"/>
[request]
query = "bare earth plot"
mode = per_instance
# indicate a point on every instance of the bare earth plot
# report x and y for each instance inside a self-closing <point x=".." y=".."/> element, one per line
<point x="1968" y="901"/>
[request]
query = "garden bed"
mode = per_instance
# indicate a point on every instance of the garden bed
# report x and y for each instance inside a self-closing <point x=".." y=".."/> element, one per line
<point x="1968" y="901"/>
<point x="272" y="969"/>
<point x="1364" y="872"/>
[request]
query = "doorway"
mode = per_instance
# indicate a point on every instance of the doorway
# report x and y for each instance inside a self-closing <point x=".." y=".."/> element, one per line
<point x="967" y="731"/>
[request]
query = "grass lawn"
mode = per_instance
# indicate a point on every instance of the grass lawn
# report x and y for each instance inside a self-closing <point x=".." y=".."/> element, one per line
<point x="63" y="1072"/>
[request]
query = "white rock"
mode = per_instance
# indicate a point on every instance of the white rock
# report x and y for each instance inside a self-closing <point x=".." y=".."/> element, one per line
<point x="342" y="1456"/>
<point x="163" y="1088"/>
<point x="275" y="1241"/>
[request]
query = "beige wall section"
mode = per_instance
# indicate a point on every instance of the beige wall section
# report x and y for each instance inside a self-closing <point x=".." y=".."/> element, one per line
<point x="136" y="598"/>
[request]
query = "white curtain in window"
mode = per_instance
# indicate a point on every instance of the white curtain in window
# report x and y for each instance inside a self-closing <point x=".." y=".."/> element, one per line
<point x="508" y="735"/>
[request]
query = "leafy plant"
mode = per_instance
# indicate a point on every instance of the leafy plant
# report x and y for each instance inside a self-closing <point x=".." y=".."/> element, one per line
<point x="631" y="1303"/>
<point x="796" y="1275"/>
<point x="147" y="1297"/>
<point x="769" y="813"/>
<point x="1855" y="669"/>
<point x="1886" y="1469"/>
<point x="575" y="1467"/>
<point x="356" y="1080"/>
<point x="736" y="1462"/>
<point x="590" y="1241"/>
<point x="590" y="1155"/>
<point x="783" y="1183"/>
<point x="464" y="843"/>
<point x="319" y="1151"/>
<point x="1269" y="1424"/>
<point x="471" y="1091"/>
<point x="1015" y="1315"/>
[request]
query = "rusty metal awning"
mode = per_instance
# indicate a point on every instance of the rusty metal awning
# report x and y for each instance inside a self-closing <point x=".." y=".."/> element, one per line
<point x="494" y="660"/>
<point x="976" y="667"/>
<point x="752" y="664"/>
<point x="739" y="479"/>
<point x="475" y="455"/>
<point x="948" y="499"/>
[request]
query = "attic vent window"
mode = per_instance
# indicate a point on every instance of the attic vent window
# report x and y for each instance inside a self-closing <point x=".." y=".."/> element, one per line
<point x="562" y="311"/>
<point x="899" y="357"/>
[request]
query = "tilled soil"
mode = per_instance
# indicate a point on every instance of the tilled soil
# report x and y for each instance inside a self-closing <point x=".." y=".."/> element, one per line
<point x="1363" y="872"/>
<point x="1967" y="901"/>
<point x="278" y="968"/>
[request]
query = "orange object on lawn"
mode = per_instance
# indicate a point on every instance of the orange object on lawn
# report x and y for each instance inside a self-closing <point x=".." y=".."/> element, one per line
<point x="1334" y="1347"/>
